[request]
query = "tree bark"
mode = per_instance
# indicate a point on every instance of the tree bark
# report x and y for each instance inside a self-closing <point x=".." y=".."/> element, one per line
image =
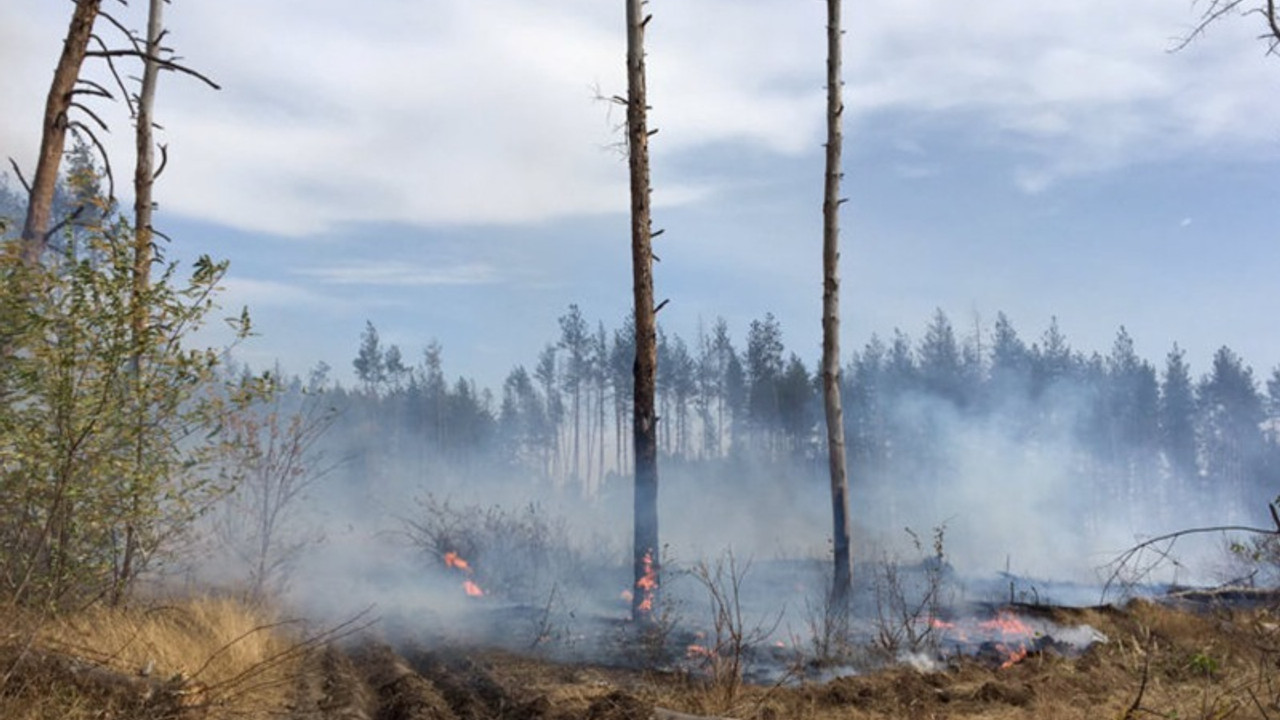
<point x="843" y="576"/>
<point x="143" y="180"/>
<point x="644" y="419"/>
<point x="53" y="139"/>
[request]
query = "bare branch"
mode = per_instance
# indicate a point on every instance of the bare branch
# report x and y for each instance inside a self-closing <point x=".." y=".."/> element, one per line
<point x="124" y="91"/>
<point x="18" y="171"/>
<point x="102" y="150"/>
<point x="165" y="64"/>
<point x="164" y="159"/>
<point x="1126" y="558"/>
<point x="65" y="222"/>
<point x="131" y="35"/>
<point x="93" y="115"/>
<point x="92" y="88"/>
<point x="1218" y="9"/>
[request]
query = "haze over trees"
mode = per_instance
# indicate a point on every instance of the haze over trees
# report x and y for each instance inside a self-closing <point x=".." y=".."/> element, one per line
<point x="1144" y="445"/>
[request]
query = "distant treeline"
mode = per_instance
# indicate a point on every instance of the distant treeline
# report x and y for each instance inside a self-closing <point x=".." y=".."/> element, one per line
<point x="1128" y="436"/>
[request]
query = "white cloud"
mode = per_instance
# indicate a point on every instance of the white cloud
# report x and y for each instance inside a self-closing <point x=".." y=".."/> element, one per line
<point x="258" y="293"/>
<point x="399" y="273"/>
<point x="481" y="111"/>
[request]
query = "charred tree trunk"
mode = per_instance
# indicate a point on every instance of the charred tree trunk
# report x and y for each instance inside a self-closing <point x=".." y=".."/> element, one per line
<point x="843" y="578"/>
<point x="57" y="107"/>
<point x="644" y="418"/>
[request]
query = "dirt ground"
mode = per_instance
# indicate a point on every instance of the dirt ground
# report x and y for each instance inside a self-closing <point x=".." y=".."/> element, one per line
<point x="1158" y="662"/>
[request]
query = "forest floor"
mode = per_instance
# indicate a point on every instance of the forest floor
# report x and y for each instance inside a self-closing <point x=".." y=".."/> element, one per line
<point x="216" y="659"/>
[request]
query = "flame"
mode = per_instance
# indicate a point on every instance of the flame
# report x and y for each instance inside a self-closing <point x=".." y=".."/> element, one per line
<point x="1007" y="624"/>
<point x="698" y="651"/>
<point x="452" y="560"/>
<point x="1015" y="656"/>
<point x="1006" y="632"/>
<point x="647" y="583"/>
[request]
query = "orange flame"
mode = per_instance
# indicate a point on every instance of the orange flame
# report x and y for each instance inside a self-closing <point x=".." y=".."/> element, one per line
<point x="1007" y="624"/>
<point x="699" y="651"/>
<point x="647" y="583"/>
<point x="1015" y="657"/>
<point x="452" y="560"/>
<point x="1007" y="633"/>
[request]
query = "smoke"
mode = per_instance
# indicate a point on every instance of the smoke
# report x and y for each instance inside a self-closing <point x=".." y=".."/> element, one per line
<point x="1021" y="503"/>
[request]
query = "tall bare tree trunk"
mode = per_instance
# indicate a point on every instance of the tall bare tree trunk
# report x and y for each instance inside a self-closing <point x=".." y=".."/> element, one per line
<point x="644" y="422"/>
<point x="144" y="172"/>
<point x="53" y="139"/>
<point x="843" y="578"/>
<point x="143" y="180"/>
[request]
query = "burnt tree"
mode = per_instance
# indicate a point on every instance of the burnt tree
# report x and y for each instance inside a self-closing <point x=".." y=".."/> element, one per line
<point x="843" y="576"/>
<point x="644" y="418"/>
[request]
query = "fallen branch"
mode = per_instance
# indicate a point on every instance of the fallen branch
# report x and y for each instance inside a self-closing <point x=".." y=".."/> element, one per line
<point x="1127" y="558"/>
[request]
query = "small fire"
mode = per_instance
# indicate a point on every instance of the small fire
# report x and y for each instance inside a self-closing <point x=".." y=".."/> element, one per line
<point x="698" y="651"/>
<point x="453" y="560"/>
<point x="647" y="583"/>
<point x="1007" y="624"/>
<point x="1007" y="634"/>
<point x="1015" y="657"/>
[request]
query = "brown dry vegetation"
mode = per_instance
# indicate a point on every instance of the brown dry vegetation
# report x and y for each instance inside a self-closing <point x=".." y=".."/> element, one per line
<point x="165" y="660"/>
<point x="215" y="658"/>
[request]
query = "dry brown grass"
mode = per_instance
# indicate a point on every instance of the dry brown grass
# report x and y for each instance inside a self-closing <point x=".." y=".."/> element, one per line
<point x="213" y="652"/>
<point x="1158" y="663"/>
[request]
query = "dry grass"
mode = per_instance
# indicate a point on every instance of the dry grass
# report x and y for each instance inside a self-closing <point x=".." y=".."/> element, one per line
<point x="212" y="652"/>
<point x="1158" y="663"/>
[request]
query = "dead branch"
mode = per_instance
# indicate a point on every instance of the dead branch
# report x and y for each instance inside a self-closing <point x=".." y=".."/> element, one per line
<point x="129" y="34"/>
<point x="1218" y="9"/>
<point x="115" y="74"/>
<point x="164" y="63"/>
<point x="1136" y="706"/>
<point x="91" y="88"/>
<point x="164" y="162"/>
<point x="18" y="172"/>
<point x="92" y="115"/>
<point x="1126" y="559"/>
<point x="76" y="125"/>
<point x="65" y="221"/>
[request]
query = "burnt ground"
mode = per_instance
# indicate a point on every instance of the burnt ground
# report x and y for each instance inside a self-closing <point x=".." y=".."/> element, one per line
<point x="1158" y="662"/>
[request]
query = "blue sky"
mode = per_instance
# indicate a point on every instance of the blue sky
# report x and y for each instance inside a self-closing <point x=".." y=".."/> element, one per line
<point x="446" y="170"/>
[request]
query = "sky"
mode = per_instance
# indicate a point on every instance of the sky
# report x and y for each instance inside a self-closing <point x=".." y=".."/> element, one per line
<point x="451" y="170"/>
